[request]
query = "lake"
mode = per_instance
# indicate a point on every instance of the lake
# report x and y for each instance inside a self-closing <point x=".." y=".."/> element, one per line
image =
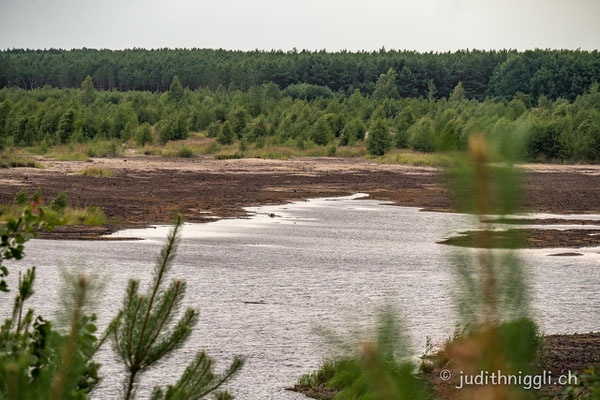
<point x="328" y="263"/>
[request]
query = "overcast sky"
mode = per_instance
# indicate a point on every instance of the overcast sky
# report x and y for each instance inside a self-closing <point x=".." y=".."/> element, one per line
<point x="424" y="25"/>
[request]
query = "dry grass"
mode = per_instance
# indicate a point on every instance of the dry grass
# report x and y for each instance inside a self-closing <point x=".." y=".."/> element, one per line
<point x="18" y="160"/>
<point x="407" y="157"/>
<point x="97" y="172"/>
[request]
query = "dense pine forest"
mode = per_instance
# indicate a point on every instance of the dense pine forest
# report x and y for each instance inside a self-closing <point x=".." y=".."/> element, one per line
<point x="390" y="99"/>
<point x="500" y="74"/>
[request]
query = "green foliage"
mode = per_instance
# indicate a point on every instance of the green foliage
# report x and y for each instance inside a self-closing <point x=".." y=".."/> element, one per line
<point x="174" y="127"/>
<point x="227" y="135"/>
<point x="21" y="198"/>
<point x="143" y="135"/>
<point x="380" y="370"/>
<point x="321" y="133"/>
<point x="353" y="131"/>
<point x="238" y="119"/>
<point x="59" y="203"/>
<point x="554" y="131"/>
<point x="386" y="87"/>
<point x="176" y="92"/>
<point x="65" y="126"/>
<point x="185" y="152"/>
<point x="39" y="362"/>
<point x="421" y="136"/>
<point x="87" y="95"/>
<point x="102" y="149"/>
<point x="587" y="388"/>
<point x="458" y="93"/>
<point x="15" y="232"/>
<point x="144" y="333"/>
<point x="213" y="130"/>
<point x="379" y="139"/>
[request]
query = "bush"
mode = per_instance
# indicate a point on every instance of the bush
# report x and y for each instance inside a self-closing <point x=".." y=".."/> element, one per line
<point x="227" y="135"/>
<point x="213" y="129"/>
<point x="321" y="132"/>
<point x="143" y="135"/>
<point x="21" y="198"/>
<point x="174" y="127"/>
<point x="379" y="140"/>
<point x="185" y="152"/>
<point x="421" y="136"/>
<point x="102" y="149"/>
<point x="59" y="203"/>
<point x="331" y="150"/>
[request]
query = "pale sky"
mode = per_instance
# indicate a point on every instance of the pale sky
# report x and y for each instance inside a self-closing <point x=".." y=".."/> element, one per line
<point x="423" y="25"/>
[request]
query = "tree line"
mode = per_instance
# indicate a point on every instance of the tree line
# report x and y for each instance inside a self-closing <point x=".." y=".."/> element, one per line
<point x="303" y="116"/>
<point x="498" y="74"/>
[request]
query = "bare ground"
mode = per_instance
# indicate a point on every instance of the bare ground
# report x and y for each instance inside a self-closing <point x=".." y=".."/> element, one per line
<point x="148" y="190"/>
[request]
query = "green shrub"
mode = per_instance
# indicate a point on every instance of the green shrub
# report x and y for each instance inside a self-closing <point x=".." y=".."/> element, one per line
<point x="421" y="136"/>
<point x="21" y="198"/>
<point x="227" y="135"/>
<point x="331" y="150"/>
<point x="185" y="152"/>
<point x="59" y="203"/>
<point x="379" y="139"/>
<point x="143" y="135"/>
<point x="102" y="149"/>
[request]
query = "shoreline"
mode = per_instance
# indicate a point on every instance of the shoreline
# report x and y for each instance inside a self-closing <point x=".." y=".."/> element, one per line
<point x="149" y="190"/>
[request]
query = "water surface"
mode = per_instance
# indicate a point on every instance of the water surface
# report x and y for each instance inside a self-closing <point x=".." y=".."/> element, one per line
<point x="323" y="262"/>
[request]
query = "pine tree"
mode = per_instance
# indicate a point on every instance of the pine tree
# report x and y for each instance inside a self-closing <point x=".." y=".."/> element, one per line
<point x="144" y="333"/>
<point x="322" y="133"/>
<point x="143" y="134"/>
<point x="176" y="92"/>
<point x="386" y="87"/>
<point x="65" y="126"/>
<point x="226" y="136"/>
<point x="87" y="95"/>
<point x="458" y="94"/>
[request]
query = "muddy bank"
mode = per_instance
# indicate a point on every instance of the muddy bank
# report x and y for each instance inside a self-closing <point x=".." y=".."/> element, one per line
<point x="149" y="190"/>
<point x="527" y="238"/>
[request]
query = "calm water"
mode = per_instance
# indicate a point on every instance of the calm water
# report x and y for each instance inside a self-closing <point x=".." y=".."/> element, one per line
<point x="325" y="262"/>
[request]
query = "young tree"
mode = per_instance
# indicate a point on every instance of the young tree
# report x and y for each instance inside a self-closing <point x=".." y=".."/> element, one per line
<point x="321" y="132"/>
<point x="144" y="333"/>
<point x="143" y="135"/>
<point x="386" y="87"/>
<point x="174" y="127"/>
<point x="87" y="95"/>
<point x="65" y="126"/>
<point x="421" y="136"/>
<point x="431" y="91"/>
<point x="213" y="129"/>
<point x="176" y="92"/>
<point x="458" y="94"/>
<point x="379" y="140"/>
<point x="239" y="118"/>
<point x="226" y="136"/>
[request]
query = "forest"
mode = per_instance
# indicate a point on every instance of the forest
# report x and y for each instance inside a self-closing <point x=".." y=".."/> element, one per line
<point x="498" y="74"/>
<point x="389" y="99"/>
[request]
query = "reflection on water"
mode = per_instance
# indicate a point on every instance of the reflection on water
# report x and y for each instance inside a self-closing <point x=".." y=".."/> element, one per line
<point x="324" y="262"/>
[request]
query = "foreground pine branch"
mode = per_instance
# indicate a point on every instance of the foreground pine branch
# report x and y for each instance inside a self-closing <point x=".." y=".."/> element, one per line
<point x="145" y="332"/>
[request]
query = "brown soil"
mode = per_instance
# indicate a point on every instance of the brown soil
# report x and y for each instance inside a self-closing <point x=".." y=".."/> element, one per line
<point x="148" y="190"/>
